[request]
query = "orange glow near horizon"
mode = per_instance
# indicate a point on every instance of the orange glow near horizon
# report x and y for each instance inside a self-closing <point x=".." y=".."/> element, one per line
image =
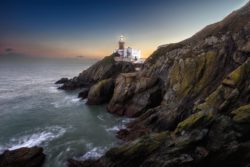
<point x="94" y="32"/>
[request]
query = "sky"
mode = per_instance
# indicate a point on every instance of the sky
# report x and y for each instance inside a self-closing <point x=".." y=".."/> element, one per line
<point x="91" y="28"/>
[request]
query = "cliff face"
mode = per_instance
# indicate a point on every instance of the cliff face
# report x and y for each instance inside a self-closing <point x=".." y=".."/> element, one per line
<point x="191" y="100"/>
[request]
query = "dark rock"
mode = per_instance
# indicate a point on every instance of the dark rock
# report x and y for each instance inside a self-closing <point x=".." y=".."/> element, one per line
<point x="133" y="95"/>
<point x="62" y="81"/>
<point x="84" y="93"/>
<point x="135" y="153"/>
<point x="23" y="157"/>
<point x="87" y="163"/>
<point x="103" y="69"/>
<point x="101" y="92"/>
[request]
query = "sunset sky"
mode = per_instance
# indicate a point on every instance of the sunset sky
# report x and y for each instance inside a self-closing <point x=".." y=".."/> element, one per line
<point x="92" y="27"/>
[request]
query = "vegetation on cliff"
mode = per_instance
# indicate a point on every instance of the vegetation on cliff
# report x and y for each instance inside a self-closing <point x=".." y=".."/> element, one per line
<point x="191" y="100"/>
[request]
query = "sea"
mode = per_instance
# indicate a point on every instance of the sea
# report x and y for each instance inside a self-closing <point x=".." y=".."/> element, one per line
<point x="34" y="112"/>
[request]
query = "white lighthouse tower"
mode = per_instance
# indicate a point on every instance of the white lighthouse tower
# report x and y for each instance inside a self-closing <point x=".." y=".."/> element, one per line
<point x="127" y="54"/>
<point x="121" y="47"/>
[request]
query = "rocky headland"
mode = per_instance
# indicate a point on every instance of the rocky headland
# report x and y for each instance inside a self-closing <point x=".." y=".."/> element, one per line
<point x="191" y="102"/>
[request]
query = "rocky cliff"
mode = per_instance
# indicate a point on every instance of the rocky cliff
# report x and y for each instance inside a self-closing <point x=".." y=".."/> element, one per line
<point x="191" y="100"/>
<point x="103" y="69"/>
<point x="97" y="82"/>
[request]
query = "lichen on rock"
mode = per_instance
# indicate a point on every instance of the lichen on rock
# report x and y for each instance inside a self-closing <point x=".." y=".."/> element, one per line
<point x="198" y="120"/>
<point x="242" y="114"/>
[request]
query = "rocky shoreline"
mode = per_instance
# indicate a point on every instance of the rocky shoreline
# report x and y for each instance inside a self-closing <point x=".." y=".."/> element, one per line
<point x="191" y="100"/>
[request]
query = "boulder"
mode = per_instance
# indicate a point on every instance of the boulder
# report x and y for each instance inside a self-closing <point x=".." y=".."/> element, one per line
<point x="23" y="157"/>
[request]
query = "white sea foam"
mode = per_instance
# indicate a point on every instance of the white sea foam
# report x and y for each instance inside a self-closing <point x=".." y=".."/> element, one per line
<point x="100" y="117"/>
<point x="116" y="128"/>
<point x="94" y="153"/>
<point x="66" y="102"/>
<point x="53" y="89"/>
<point x="35" y="139"/>
<point x="75" y="100"/>
<point x="120" y="126"/>
<point x="127" y="120"/>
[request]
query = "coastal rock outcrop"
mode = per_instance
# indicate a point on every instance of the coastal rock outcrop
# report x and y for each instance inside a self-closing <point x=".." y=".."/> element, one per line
<point x="103" y="69"/>
<point x="23" y="157"/>
<point x="133" y="95"/>
<point x="200" y="113"/>
<point x="62" y="81"/>
<point x="101" y="92"/>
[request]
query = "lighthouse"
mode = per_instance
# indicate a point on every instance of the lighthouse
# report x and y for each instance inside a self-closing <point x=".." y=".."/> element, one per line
<point x="121" y="42"/>
<point x="126" y="54"/>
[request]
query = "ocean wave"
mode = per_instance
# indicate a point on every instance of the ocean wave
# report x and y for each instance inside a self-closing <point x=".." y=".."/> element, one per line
<point x="75" y="100"/>
<point x="116" y="128"/>
<point x="67" y="101"/>
<point x="85" y="100"/>
<point x="53" y="89"/>
<point x="36" y="139"/>
<point x="100" y="117"/>
<point x="121" y="125"/>
<point x="127" y="120"/>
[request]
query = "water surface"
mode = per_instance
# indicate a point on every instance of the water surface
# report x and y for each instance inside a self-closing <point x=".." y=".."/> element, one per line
<point x="33" y="112"/>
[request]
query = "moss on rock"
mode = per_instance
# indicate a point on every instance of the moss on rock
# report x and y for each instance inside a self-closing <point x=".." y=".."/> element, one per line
<point x="133" y="153"/>
<point x="197" y="120"/>
<point x="192" y="74"/>
<point x="230" y="89"/>
<point x="101" y="92"/>
<point x="242" y="114"/>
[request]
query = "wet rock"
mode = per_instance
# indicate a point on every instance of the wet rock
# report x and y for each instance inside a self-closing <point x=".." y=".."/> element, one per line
<point x="87" y="163"/>
<point x="62" y="81"/>
<point x="23" y="157"/>
<point x="84" y="93"/>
